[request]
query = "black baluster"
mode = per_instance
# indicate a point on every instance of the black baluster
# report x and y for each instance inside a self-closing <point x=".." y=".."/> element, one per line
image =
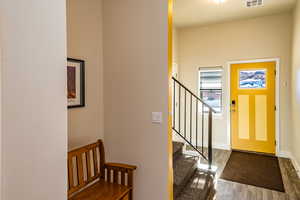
<point x="210" y="138"/>
<point x="179" y="102"/>
<point x="202" y="126"/>
<point x="191" y="120"/>
<point x="174" y="94"/>
<point x="185" y="113"/>
<point x="197" y="123"/>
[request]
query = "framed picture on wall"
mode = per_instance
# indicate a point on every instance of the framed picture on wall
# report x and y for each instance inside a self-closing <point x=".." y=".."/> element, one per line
<point x="75" y="83"/>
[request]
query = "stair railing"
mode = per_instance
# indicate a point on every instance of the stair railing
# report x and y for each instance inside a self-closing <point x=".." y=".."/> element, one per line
<point x="192" y="115"/>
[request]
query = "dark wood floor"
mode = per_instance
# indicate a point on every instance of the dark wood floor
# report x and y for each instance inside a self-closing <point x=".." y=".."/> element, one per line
<point x="227" y="190"/>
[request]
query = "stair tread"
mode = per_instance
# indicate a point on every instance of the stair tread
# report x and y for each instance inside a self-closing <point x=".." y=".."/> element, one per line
<point x="199" y="186"/>
<point x="177" y="146"/>
<point x="182" y="167"/>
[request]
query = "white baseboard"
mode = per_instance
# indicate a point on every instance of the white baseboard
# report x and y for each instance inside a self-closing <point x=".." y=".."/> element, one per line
<point x="221" y="146"/>
<point x="215" y="145"/>
<point x="284" y="154"/>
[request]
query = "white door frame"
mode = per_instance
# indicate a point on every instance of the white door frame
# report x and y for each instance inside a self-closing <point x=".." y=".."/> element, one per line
<point x="277" y="98"/>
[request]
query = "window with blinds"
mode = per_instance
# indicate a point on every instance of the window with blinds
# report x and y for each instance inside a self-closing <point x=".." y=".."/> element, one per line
<point x="210" y="86"/>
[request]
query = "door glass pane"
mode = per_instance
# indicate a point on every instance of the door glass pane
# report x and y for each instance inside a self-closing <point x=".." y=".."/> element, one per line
<point x="249" y="79"/>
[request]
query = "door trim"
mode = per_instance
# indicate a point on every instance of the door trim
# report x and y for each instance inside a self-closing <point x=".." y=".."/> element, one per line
<point x="277" y="98"/>
<point x="170" y="132"/>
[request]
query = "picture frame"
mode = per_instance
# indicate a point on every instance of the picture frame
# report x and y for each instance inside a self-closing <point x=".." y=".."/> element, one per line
<point x="75" y="83"/>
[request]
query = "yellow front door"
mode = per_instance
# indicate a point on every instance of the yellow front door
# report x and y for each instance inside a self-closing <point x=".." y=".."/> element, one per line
<point x="253" y="107"/>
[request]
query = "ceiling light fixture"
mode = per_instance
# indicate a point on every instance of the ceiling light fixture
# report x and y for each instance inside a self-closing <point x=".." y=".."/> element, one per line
<point x="219" y="1"/>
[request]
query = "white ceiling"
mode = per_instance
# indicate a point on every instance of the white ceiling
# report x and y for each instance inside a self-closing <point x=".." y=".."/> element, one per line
<point x="202" y="12"/>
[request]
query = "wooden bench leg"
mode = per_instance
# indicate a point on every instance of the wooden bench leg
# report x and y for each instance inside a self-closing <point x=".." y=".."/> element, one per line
<point x="130" y="195"/>
<point x="130" y="183"/>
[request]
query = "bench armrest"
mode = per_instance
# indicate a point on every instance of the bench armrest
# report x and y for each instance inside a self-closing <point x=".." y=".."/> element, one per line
<point x="120" y="166"/>
<point x="116" y="168"/>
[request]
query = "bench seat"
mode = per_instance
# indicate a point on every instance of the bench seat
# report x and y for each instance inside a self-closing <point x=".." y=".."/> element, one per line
<point x="91" y="178"/>
<point x="102" y="190"/>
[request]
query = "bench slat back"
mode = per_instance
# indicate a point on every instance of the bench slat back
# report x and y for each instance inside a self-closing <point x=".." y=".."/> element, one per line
<point x="85" y="165"/>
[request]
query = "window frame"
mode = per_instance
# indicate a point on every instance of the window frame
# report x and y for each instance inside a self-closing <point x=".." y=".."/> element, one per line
<point x="215" y="68"/>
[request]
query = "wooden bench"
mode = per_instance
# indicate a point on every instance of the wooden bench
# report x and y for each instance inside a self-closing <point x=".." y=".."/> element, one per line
<point x="90" y="178"/>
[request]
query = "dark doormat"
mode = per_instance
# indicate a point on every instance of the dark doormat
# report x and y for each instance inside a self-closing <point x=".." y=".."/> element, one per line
<point x="254" y="169"/>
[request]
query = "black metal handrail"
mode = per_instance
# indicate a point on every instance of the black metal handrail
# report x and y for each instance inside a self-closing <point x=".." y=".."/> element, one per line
<point x="189" y="91"/>
<point x="192" y="139"/>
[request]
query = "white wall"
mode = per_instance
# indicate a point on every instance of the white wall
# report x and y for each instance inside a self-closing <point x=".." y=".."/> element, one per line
<point x="295" y="90"/>
<point x="135" y="84"/>
<point x="34" y="114"/>
<point x="84" y="22"/>
<point x="175" y="46"/>
<point x="217" y="44"/>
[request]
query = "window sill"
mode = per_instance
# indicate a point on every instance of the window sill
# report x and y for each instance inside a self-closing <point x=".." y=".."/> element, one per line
<point x="216" y="116"/>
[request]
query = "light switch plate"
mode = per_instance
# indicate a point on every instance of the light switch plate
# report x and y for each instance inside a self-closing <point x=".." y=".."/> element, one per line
<point x="157" y="117"/>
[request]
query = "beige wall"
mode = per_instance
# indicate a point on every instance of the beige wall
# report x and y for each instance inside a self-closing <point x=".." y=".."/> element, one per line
<point x="136" y="84"/>
<point x="175" y="46"/>
<point x="295" y="90"/>
<point x="84" y="19"/>
<point x="215" y="45"/>
<point x="34" y="104"/>
<point x="1" y="60"/>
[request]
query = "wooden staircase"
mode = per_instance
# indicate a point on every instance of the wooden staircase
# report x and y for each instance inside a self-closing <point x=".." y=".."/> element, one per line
<point x="190" y="182"/>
